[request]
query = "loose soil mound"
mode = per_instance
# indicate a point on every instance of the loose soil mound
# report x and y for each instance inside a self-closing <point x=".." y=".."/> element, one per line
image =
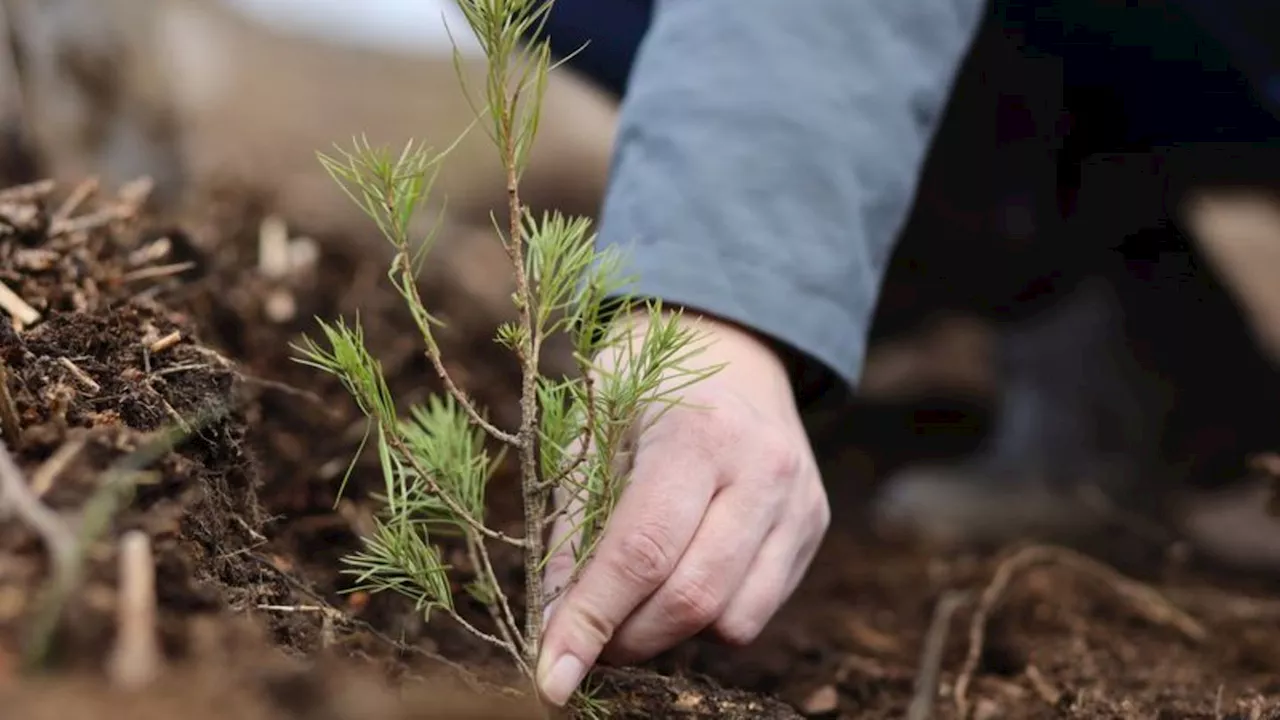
<point x="146" y="326"/>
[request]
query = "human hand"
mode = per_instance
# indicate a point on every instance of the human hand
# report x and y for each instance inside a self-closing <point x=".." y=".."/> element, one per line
<point x="723" y="514"/>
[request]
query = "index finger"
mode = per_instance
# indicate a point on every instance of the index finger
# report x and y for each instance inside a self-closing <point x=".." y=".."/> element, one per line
<point x="655" y="520"/>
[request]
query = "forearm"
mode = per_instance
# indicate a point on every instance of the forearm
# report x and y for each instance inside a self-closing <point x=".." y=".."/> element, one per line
<point x="768" y="153"/>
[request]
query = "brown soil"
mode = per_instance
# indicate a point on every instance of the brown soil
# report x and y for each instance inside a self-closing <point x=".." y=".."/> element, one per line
<point x="247" y="539"/>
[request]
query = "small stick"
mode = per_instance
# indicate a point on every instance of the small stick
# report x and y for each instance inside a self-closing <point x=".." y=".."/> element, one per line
<point x="156" y="271"/>
<point x="43" y="478"/>
<point x="1144" y="599"/>
<point x="135" y="660"/>
<point x="929" y="675"/>
<point x="27" y="193"/>
<point x="1047" y="692"/>
<point x="151" y="252"/>
<point x="134" y="194"/>
<point x="330" y="618"/>
<point x="83" y="192"/>
<point x="18" y="309"/>
<point x="91" y="221"/>
<point x="10" y="424"/>
<point x="165" y="343"/>
<point x="80" y="375"/>
<point x="300" y="609"/>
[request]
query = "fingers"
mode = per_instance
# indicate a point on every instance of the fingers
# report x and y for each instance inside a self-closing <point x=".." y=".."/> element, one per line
<point x="651" y="527"/>
<point x="775" y="572"/>
<point x="560" y="563"/>
<point x="706" y="578"/>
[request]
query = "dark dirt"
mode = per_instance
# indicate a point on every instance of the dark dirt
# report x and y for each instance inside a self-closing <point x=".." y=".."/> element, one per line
<point x="247" y="538"/>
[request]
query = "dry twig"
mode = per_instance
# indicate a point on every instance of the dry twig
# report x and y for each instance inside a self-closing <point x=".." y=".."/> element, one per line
<point x="165" y="343"/>
<point x="1143" y="599"/>
<point x="1045" y="689"/>
<point x="156" y="271"/>
<point x="23" y="314"/>
<point x="43" y="478"/>
<point x="27" y="193"/>
<point x="10" y="424"/>
<point x="152" y="252"/>
<point x="83" y="192"/>
<point x="136" y="658"/>
<point x="929" y="674"/>
<point x="80" y="375"/>
<point x="91" y="221"/>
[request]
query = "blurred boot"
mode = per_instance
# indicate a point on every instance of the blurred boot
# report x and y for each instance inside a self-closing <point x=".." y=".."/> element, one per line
<point x="1074" y="431"/>
<point x="1237" y="230"/>
<point x="1234" y="526"/>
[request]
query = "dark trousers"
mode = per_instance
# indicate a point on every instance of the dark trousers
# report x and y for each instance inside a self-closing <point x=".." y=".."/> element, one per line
<point x="599" y="37"/>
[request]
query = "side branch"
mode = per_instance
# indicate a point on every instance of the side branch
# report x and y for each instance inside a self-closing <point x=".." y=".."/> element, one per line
<point x="410" y="286"/>
<point x="469" y="407"/>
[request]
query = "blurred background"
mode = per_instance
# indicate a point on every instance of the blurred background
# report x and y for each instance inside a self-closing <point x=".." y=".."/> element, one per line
<point x="208" y="94"/>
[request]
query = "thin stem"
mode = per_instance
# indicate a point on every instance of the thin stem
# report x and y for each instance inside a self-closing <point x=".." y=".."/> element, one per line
<point x="469" y="407"/>
<point x="492" y="640"/>
<point x="532" y="492"/>
<point x="410" y="284"/>
<point x="499" y="609"/>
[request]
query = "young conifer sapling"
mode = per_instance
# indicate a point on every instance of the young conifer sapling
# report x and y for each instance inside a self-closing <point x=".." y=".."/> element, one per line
<point x="437" y="459"/>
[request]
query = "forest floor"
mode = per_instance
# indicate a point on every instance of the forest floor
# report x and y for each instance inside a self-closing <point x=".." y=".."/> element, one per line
<point x="143" y="325"/>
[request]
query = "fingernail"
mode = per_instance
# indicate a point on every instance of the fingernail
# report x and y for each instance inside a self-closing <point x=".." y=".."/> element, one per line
<point x="561" y="678"/>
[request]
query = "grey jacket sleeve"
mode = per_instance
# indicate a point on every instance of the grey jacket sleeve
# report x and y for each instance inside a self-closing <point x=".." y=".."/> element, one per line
<point x="768" y="153"/>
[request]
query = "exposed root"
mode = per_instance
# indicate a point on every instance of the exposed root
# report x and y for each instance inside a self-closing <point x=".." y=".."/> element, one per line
<point x="935" y="644"/>
<point x="1142" y="598"/>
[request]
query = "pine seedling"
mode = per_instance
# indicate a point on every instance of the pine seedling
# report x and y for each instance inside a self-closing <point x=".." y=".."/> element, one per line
<point x="438" y="459"/>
